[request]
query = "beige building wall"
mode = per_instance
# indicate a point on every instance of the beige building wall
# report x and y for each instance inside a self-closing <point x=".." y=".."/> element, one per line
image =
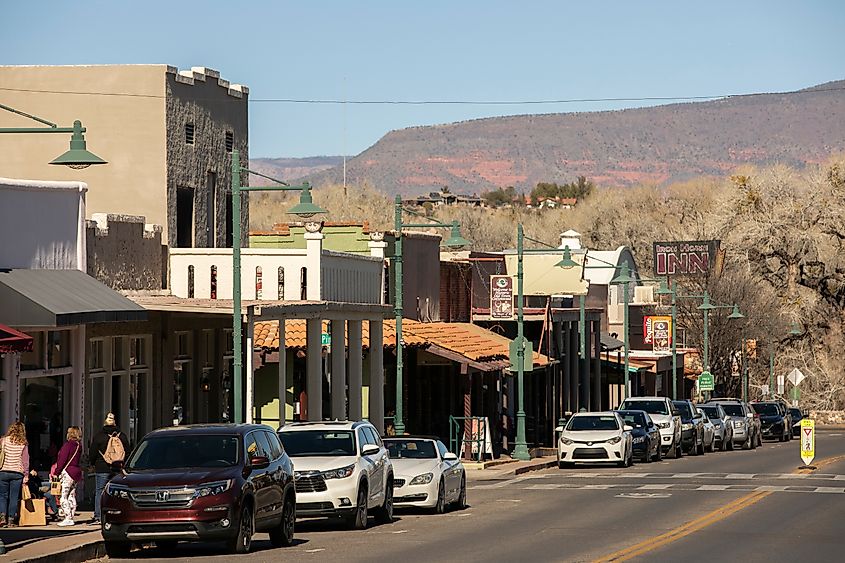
<point x="123" y="109"/>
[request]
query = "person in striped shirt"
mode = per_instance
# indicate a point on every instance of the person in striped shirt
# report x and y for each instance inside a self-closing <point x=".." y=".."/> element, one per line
<point x="14" y="472"/>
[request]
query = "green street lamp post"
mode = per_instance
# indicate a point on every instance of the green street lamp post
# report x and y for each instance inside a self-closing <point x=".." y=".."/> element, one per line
<point x="624" y="278"/>
<point x="736" y="315"/>
<point x="77" y="157"/>
<point x="664" y="289"/>
<point x="305" y="209"/>
<point x="455" y="240"/>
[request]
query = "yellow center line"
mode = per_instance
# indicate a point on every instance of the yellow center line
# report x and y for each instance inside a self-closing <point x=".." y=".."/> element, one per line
<point x="701" y="522"/>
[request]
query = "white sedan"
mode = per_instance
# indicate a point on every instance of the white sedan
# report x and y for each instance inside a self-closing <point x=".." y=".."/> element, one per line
<point x="595" y="437"/>
<point x="426" y="474"/>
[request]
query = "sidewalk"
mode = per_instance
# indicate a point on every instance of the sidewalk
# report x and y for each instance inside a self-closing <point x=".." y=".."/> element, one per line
<point x="52" y="543"/>
<point x="503" y="468"/>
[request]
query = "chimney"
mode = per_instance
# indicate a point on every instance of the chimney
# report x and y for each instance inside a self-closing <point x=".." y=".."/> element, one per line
<point x="570" y="238"/>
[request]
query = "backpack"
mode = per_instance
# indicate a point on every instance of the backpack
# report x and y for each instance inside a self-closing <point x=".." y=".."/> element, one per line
<point x="114" y="449"/>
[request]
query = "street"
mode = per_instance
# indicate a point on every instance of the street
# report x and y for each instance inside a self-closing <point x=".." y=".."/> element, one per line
<point x="726" y="506"/>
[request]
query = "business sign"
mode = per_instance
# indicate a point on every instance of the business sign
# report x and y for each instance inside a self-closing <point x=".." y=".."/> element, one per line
<point x="808" y="440"/>
<point x="501" y="297"/>
<point x="705" y="381"/>
<point x="657" y="331"/>
<point x="685" y="258"/>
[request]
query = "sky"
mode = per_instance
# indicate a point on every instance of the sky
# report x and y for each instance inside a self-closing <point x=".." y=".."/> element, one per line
<point x="469" y="51"/>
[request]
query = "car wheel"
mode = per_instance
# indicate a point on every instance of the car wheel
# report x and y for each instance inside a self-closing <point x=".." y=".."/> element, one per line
<point x="461" y="503"/>
<point x="282" y="535"/>
<point x="678" y="451"/>
<point x="384" y="513"/>
<point x="440" y="507"/>
<point x="117" y="549"/>
<point x="358" y="519"/>
<point x="659" y="455"/>
<point x="711" y="448"/>
<point x="246" y="528"/>
<point x="759" y="441"/>
<point x="729" y="443"/>
<point x="564" y="465"/>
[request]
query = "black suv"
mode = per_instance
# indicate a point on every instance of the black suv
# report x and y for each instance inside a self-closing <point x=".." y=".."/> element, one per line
<point x="774" y="420"/>
<point x="692" y="428"/>
<point x="202" y="482"/>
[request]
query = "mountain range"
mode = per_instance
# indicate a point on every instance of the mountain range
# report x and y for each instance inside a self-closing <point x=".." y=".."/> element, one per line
<point x="659" y="144"/>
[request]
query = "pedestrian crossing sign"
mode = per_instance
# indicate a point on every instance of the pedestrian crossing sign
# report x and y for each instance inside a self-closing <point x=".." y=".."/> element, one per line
<point x="808" y="440"/>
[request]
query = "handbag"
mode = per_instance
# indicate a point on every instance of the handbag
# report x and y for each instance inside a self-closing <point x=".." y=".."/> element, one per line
<point x="56" y="480"/>
<point x="32" y="512"/>
<point x="2" y="451"/>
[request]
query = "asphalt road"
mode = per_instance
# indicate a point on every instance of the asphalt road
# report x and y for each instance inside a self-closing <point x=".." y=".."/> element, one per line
<point x="726" y="506"/>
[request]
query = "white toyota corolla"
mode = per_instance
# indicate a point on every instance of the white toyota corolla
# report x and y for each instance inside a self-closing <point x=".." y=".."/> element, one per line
<point x="427" y="474"/>
<point x="595" y="437"/>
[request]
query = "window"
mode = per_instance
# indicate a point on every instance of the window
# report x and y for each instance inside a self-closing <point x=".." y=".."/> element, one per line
<point x="258" y="283"/>
<point x="118" y="361"/>
<point x="372" y="436"/>
<point x="190" y="282"/>
<point x="95" y="355"/>
<point x="59" y="351"/>
<point x="35" y="358"/>
<point x="256" y="445"/>
<point x="189" y="133"/>
<point x="275" y="446"/>
<point x="303" y="283"/>
<point x="214" y="282"/>
<point x="281" y="283"/>
<point x="137" y="352"/>
<point x="230" y="141"/>
<point x="442" y="449"/>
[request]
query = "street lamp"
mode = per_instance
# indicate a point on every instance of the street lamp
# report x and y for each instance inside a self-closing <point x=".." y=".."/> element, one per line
<point x="625" y="279"/>
<point x="77" y="157"/>
<point x="455" y="240"/>
<point x="794" y="330"/>
<point x="304" y="209"/>
<point x="736" y="315"/>
<point x="664" y="289"/>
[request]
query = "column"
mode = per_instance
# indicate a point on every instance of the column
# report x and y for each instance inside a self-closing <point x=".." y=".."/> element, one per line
<point x="377" y="374"/>
<point x="250" y="366"/>
<point x="597" y="385"/>
<point x="338" y="376"/>
<point x="355" y="369"/>
<point x="314" y="368"/>
<point x="584" y="366"/>
<point x="283" y="374"/>
<point x="313" y="257"/>
<point x="565" y="360"/>
<point x="77" y="392"/>
<point x="573" y="365"/>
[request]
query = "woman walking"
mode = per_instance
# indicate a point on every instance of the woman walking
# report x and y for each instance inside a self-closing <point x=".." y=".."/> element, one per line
<point x="14" y="471"/>
<point x="70" y="473"/>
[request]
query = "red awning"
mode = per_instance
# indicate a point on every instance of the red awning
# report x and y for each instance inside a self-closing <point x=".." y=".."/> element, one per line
<point x="12" y="340"/>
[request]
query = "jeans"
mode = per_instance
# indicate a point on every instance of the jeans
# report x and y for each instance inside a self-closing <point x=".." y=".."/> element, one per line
<point x="51" y="501"/>
<point x="102" y="480"/>
<point x="10" y="494"/>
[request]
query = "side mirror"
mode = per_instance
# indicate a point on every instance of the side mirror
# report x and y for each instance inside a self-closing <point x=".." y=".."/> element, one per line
<point x="559" y="429"/>
<point x="449" y="456"/>
<point x="749" y="414"/>
<point x="676" y="412"/>
<point x="627" y="428"/>
<point x="369" y="449"/>
<point x="259" y="462"/>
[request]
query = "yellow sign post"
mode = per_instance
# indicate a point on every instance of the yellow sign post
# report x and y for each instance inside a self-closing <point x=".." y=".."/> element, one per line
<point x="808" y="440"/>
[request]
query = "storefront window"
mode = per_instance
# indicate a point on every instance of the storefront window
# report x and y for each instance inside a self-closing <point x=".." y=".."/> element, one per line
<point x="118" y="359"/>
<point x="34" y="359"/>
<point x="95" y="355"/>
<point x="42" y="400"/>
<point x="59" y="351"/>
<point x="138" y="351"/>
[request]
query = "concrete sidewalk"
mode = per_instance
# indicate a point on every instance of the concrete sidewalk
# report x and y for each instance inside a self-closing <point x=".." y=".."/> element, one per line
<point x="53" y="543"/>
<point x="508" y="467"/>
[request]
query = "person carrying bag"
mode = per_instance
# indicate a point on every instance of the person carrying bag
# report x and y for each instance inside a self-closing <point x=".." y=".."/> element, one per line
<point x="14" y="472"/>
<point x="71" y="473"/>
<point x="32" y="511"/>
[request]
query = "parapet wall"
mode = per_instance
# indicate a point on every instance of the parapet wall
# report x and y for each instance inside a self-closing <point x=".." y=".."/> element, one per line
<point x="125" y="253"/>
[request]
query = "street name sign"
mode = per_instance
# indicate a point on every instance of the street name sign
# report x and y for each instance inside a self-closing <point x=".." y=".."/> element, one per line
<point x="808" y="440"/>
<point x="705" y="381"/>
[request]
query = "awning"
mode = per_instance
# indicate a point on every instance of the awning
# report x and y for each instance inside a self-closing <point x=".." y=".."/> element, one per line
<point x="634" y="366"/>
<point x="52" y="298"/>
<point x="609" y="343"/>
<point x="12" y="340"/>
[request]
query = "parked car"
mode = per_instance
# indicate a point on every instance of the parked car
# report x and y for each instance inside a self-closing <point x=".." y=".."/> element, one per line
<point x="645" y="436"/>
<point x="692" y="428"/>
<point x="723" y="431"/>
<point x="426" y="474"/>
<point x="342" y="469"/>
<point x="664" y="415"/>
<point x="202" y="482"/>
<point x="797" y="416"/>
<point x="595" y="437"/>
<point x="787" y="414"/>
<point x="709" y="431"/>
<point x="774" y="420"/>
<point x="742" y="420"/>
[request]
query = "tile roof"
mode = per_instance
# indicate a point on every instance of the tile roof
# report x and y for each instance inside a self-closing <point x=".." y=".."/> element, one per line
<point x="267" y="335"/>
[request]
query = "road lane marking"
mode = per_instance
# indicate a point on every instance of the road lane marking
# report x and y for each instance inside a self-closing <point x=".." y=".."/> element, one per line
<point x="318" y="550"/>
<point x="704" y="476"/>
<point x="644" y="495"/>
<point x="681" y="487"/>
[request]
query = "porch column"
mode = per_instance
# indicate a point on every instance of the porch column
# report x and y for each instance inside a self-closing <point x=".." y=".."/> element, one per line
<point x="564" y="359"/>
<point x="573" y="366"/>
<point x="283" y="374"/>
<point x="597" y="385"/>
<point x="77" y="415"/>
<point x="313" y="258"/>
<point x="377" y="374"/>
<point x="338" y="377"/>
<point x="584" y="365"/>
<point x="250" y="366"/>
<point x="355" y="369"/>
<point x="314" y="368"/>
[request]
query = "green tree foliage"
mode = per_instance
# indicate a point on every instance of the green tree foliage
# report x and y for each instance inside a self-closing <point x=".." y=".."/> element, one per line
<point x="499" y="197"/>
<point x="579" y="189"/>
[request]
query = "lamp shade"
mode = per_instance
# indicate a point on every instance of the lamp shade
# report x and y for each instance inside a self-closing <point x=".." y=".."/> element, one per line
<point x="455" y="239"/>
<point x="306" y="207"/>
<point x="78" y="156"/>
<point x="624" y="276"/>
<point x="567" y="261"/>
<point x="735" y="314"/>
<point x="664" y="288"/>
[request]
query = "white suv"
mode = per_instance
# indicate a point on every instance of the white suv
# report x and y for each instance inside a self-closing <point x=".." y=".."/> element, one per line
<point x="340" y="469"/>
<point x="665" y="417"/>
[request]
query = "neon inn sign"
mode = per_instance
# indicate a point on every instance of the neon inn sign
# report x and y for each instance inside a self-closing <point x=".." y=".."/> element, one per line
<point x="685" y="258"/>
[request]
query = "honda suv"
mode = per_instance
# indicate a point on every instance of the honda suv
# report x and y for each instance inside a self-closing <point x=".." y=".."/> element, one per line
<point x="201" y="482"/>
<point x="342" y="469"/>
<point x="665" y="416"/>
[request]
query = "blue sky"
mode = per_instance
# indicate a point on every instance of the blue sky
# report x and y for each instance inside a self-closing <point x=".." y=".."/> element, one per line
<point x="438" y="50"/>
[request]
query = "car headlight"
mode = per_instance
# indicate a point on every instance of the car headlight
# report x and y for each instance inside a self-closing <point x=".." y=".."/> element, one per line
<point x="639" y="439"/>
<point x="119" y="491"/>
<point x="341" y="473"/>
<point x="423" y="479"/>
<point x="211" y="489"/>
<point x="566" y="441"/>
<point x="614" y="440"/>
<point x="737" y="424"/>
<point x="686" y="426"/>
<point x="663" y="425"/>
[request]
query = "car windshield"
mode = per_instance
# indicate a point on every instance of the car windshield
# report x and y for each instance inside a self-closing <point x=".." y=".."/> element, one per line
<point x="301" y="443"/>
<point x="184" y="450"/>
<point x="684" y="408"/>
<point x="651" y="407"/>
<point x="634" y="419"/>
<point x="712" y="412"/>
<point x="734" y="409"/>
<point x="796" y="414"/>
<point x="766" y="409"/>
<point x="580" y="423"/>
<point x="411" y="449"/>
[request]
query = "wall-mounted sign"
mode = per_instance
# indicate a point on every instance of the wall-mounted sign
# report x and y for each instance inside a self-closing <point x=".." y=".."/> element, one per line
<point x="501" y="297"/>
<point x="685" y="258"/>
<point x="657" y="331"/>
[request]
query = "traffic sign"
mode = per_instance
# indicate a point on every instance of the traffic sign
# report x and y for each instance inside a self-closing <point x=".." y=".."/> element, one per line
<point x="705" y="381"/>
<point x="795" y="376"/>
<point x="808" y="440"/>
<point x="781" y="385"/>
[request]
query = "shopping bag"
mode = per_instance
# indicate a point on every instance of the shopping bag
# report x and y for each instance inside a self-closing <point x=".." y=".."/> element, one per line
<point x="56" y="487"/>
<point x="32" y="512"/>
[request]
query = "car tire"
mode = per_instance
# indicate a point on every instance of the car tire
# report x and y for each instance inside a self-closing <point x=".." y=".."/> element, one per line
<point x="461" y="503"/>
<point x="729" y="444"/>
<point x="117" y="549"/>
<point x="242" y="541"/>
<point x="565" y="465"/>
<point x="711" y="448"/>
<point x="678" y="451"/>
<point x="440" y="507"/>
<point x="746" y="445"/>
<point x="282" y="535"/>
<point x="358" y="519"/>
<point x="659" y="455"/>
<point x="699" y="449"/>
<point x="384" y="513"/>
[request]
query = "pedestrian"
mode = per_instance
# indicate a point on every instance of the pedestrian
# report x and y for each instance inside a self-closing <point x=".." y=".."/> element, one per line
<point x="70" y="473"/>
<point x="14" y="472"/>
<point x="107" y="459"/>
<point x="36" y="490"/>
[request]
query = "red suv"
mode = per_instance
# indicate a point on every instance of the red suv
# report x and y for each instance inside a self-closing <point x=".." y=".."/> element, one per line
<point x="202" y="482"/>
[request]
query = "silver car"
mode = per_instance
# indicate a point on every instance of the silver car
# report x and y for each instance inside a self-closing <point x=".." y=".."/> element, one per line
<point x="742" y="421"/>
<point x="723" y="434"/>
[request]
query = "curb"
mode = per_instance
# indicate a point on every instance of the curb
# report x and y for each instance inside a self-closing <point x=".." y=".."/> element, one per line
<point x="535" y="467"/>
<point x="91" y="550"/>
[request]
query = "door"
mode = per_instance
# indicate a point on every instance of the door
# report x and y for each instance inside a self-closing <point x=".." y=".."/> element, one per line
<point x="256" y="445"/>
<point x="276" y="472"/>
<point x="375" y="466"/>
